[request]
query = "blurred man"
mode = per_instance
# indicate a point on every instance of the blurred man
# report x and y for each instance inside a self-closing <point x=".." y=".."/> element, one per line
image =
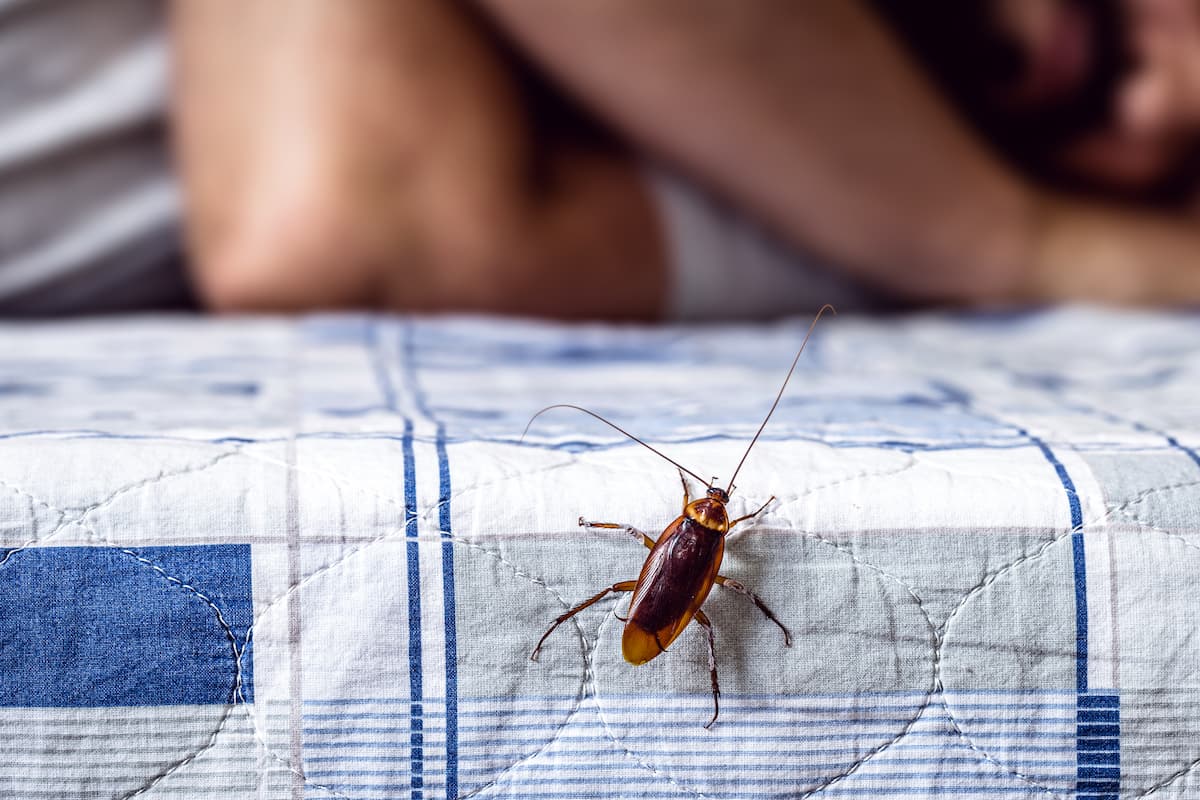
<point x="694" y="158"/>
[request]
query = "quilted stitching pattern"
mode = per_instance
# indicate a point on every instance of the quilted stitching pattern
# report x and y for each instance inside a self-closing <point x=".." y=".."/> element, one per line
<point x="985" y="544"/>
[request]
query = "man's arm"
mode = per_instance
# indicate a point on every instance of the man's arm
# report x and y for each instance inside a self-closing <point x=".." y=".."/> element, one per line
<point x="812" y="117"/>
<point x="375" y="153"/>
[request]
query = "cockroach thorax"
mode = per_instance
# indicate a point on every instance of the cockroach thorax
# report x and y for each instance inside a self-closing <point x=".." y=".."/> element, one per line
<point x="709" y="512"/>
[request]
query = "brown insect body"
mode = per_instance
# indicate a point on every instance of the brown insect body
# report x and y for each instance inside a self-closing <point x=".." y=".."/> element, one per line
<point x="683" y="564"/>
<point x="676" y="579"/>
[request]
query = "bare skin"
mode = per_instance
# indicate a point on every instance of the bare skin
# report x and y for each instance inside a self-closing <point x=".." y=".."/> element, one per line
<point x="386" y="154"/>
<point x="810" y="115"/>
<point x="383" y="154"/>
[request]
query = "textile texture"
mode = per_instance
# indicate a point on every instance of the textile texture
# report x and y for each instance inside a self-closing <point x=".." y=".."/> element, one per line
<point x="309" y="558"/>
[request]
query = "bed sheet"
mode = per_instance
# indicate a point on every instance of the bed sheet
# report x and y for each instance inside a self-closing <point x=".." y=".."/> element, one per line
<point x="309" y="558"/>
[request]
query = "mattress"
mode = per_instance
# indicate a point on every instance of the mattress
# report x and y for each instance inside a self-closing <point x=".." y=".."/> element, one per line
<point x="310" y="558"/>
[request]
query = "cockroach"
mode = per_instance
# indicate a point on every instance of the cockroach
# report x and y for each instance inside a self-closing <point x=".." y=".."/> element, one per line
<point x="684" y="562"/>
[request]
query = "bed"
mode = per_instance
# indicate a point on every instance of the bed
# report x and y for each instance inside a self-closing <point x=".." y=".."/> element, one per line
<point x="310" y="557"/>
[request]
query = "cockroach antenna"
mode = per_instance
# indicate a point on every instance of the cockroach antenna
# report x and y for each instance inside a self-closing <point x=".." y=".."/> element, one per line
<point x="614" y="427"/>
<point x="684" y="561"/>
<point x="779" y="396"/>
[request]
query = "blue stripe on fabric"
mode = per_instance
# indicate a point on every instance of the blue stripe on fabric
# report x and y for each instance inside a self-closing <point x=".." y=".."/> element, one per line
<point x="510" y="713"/>
<point x="539" y="791"/>
<point x="1099" y="744"/>
<point x="659" y="738"/>
<point x="1171" y="440"/>
<point x="449" y="616"/>
<point x="602" y="753"/>
<point x="685" y="719"/>
<point x="684" y="723"/>
<point x="1064" y="478"/>
<point x="1099" y="701"/>
<point x="375" y="757"/>
<point x="1138" y="426"/>
<point x="450" y="619"/>
<point x="726" y="778"/>
<point x="1089" y="731"/>
<point x="1107" y="787"/>
<point x="557" y="766"/>
<point x="1099" y="757"/>
<point x="1106" y="750"/>
<point x="1093" y="725"/>
<point x="414" y="605"/>
<point x="1081" y="614"/>
<point x="959" y="445"/>
<point x="1098" y="747"/>
<point x="772" y="699"/>
<point x="1077" y="552"/>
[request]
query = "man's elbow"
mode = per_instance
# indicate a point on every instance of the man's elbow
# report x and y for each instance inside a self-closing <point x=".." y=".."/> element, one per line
<point x="282" y="258"/>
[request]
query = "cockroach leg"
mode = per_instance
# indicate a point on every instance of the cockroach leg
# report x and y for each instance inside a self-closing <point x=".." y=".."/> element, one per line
<point x="685" y="560"/>
<point x="637" y="535"/>
<point x="620" y="586"/>
<point x="741" y="589"/>
<point x="702" y="618"/>
<point x="761" y="509"/>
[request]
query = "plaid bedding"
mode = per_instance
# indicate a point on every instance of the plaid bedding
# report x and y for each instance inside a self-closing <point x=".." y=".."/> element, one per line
<point x="309" y="558"/>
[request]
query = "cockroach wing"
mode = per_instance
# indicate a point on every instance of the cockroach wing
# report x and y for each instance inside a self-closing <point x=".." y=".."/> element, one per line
<point x="675" y="580"/>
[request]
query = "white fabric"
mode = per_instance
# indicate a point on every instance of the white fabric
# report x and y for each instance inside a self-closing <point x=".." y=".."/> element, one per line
<point x="725" y="267"/>
<point x="277" y="559"/>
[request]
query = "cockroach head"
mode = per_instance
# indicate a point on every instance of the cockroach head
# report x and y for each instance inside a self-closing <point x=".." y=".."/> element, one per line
<point x="720" y="495"/>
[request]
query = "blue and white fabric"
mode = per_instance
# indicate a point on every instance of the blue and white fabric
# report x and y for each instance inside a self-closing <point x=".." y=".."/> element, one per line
<point x="309" y="558"/>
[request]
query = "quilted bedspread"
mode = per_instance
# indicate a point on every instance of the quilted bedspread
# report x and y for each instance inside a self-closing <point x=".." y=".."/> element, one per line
<point x="309" y="558"/>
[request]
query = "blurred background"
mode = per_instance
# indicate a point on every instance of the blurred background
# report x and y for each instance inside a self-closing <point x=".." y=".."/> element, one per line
<point x="601" y="159"/>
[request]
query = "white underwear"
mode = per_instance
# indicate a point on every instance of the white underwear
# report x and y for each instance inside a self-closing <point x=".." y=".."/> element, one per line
<point x="723" y="266"/>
